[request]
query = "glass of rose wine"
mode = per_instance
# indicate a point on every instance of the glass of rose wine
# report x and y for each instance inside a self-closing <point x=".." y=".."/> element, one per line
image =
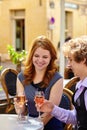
<point x="39" y="99"/>
<point x="20" y="101"/>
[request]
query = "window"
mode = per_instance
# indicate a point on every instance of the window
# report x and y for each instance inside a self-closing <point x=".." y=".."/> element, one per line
<point x="18" y="26"/>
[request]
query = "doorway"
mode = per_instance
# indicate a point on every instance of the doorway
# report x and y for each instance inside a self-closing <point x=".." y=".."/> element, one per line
<point x="20" y="34"/>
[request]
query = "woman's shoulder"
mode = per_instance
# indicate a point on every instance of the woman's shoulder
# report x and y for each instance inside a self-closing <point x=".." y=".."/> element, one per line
<point x="55" y="78"/>
<point x="57" y="75"/>
<point x="20" y="76"/>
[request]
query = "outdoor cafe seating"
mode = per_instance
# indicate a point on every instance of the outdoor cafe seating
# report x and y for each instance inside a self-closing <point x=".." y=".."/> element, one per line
<point x="70" y="80"/>
<point x="8" y="82"/>
<point x="66" y="103"/>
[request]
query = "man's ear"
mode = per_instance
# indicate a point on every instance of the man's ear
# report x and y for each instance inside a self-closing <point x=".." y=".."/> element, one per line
<point x="84" y="61"/>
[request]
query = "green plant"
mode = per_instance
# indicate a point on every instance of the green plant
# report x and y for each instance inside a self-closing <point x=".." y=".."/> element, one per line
<point x="16" y="57"/>
<point x="1" y="67"/>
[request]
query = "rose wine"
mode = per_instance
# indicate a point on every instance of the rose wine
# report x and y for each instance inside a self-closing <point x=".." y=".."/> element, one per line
<point x="39" y="99"/>
<point x="21" y="98"/>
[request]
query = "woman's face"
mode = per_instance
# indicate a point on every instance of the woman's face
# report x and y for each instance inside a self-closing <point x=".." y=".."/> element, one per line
<point x="41" y="59"/>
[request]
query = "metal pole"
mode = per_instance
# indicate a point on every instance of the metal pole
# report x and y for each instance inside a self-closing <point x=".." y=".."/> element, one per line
<point x="62" y="36"/>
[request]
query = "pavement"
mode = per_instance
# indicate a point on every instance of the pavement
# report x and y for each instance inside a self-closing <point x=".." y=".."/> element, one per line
<point x="7" y="64"/>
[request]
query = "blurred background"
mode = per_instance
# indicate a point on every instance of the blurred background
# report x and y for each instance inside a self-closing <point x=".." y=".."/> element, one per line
<point x="21" y="21"/>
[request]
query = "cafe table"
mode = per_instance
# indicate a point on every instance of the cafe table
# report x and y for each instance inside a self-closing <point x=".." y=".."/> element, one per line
<point x="10" y="122"/>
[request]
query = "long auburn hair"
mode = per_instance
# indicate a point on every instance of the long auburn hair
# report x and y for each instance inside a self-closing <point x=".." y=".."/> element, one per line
<point x="29" y="71"/>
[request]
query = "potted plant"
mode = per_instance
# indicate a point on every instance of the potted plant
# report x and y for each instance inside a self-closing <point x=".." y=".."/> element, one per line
<point x="16" y="57"/>
<point x="1" y="67"/>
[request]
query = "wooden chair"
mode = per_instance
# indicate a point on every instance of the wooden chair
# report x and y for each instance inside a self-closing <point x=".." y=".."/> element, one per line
<point x="72" y="83"/>
<point x="8" y="82"/>
<point x="68" y="93"/>
<point x="66" y="103"/>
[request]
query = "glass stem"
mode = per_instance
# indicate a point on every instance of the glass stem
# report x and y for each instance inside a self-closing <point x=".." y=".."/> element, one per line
<point x="39" y="115"/>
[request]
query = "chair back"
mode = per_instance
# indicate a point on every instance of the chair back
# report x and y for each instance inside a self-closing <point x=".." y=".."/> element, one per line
<point x="72" y="83"/>
<point x="8" y="82"/>
<point x="66" y="103"/>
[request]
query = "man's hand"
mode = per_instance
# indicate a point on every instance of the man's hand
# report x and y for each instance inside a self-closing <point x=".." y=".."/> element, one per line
<point x="46" y="106"/>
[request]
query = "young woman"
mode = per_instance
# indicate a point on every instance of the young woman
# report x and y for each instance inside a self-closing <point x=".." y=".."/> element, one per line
<point x="41" y="73"/>
<point x="76" y="52"/>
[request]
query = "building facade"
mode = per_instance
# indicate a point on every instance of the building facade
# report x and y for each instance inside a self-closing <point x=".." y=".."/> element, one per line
<point x="21" y="21"/>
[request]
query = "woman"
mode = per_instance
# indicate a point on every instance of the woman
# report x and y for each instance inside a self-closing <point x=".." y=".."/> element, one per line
<point x="76" y="52"/>
<point x="41" y="73"/>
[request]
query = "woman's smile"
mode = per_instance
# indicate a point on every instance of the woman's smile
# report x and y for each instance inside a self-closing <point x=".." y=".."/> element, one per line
<point x="41" y="58"/>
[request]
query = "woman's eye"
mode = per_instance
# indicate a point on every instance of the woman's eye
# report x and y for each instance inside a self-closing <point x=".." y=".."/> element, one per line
<point x="36" y="55"/>
<point x="45" y="57"/>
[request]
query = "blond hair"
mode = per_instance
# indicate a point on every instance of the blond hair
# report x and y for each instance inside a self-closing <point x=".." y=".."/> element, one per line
<point x="77" y="47"/>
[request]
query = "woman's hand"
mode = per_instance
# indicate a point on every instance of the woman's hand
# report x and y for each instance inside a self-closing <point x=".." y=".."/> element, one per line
<point x="19" y="108"/>
<point x="46" y="106"/>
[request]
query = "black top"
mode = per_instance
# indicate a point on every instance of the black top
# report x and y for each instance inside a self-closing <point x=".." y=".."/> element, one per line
<point x="81" y="110"/>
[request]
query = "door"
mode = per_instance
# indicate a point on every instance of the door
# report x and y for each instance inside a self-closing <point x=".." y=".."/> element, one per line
<point x="20" y="34"/>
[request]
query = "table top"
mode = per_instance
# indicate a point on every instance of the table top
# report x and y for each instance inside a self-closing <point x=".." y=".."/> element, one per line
<point x="10" y="122"/>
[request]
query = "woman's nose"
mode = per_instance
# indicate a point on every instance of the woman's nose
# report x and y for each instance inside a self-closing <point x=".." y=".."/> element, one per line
<point x="40" y="59"/>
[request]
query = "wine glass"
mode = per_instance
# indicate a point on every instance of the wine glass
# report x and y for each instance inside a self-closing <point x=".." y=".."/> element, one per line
<point x="20" y="101"/>
<point x="39" y="99"/>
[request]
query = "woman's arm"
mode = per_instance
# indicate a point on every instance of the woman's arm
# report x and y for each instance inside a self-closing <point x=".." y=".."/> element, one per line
<point x="55" y="98"/>
<point x="19" y="87"/>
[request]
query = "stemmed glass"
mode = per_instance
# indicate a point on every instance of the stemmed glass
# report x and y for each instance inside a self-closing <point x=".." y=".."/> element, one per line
<point x="20" y="101"/>
<point x="39" y="99"/>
